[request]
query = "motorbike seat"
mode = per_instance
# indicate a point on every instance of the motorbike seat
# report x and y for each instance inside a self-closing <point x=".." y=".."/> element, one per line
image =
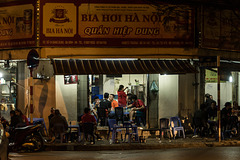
<point x="26" y="127"/>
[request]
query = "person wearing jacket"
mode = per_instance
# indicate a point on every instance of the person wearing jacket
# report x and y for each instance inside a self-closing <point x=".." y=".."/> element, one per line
<point x="122" y="102"/>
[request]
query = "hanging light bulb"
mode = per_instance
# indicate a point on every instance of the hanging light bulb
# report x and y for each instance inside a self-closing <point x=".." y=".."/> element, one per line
<point x="230" y="79"/>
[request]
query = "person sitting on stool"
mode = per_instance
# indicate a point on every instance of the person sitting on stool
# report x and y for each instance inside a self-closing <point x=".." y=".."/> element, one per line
<point x="88" y="118"/>
<point x="137" y="107"/>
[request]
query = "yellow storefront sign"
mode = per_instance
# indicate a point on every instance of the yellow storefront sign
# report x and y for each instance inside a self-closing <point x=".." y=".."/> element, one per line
<point x="133" y="21"/>
<point x="115" y="24"/>
<point x="16" y="22"/>
<point x="59" y="20"/>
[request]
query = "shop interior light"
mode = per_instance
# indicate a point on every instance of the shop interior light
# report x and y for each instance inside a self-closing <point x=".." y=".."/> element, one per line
<point x="1" y="75"/>
<point x="230" y="79"/>
<point x="2" y="81"/>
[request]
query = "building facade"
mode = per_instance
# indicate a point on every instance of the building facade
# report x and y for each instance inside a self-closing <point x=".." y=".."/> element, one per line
<point x="107" y="38"/>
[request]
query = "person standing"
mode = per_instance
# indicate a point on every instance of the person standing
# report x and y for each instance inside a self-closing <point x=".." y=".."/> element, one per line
<point x="49" y="119"/>
<point x="104" y="110"/>
<point x="105" y="103"/>
<point x="51" y="115"/>
<point x="208" y="100"/>
<point x="122" y="102"/>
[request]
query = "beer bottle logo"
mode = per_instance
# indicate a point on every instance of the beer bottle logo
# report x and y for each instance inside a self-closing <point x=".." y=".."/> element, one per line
<point x="59" y="15"/>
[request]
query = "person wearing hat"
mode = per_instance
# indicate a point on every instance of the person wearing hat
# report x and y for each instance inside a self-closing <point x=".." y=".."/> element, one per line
<point x="225" y="115"/>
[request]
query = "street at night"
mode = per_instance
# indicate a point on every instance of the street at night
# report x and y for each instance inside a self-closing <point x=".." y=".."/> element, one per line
<point x="219" y="153"/>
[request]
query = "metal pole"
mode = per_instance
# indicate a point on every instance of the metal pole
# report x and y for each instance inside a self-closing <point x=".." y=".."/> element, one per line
<point x="31" y="96"/>
<point x="196" y="85"/>
<point x="218" y="88"/>
<point x="148" y="100"/>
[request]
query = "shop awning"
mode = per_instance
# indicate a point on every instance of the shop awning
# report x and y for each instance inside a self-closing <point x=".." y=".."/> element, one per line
<point x="226" y="66"/>
<point x="114" y="67"/>
<point x="230" y="66"/>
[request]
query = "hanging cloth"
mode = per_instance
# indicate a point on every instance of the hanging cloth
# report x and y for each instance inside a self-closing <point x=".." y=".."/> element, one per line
<point x="154" y="87"/>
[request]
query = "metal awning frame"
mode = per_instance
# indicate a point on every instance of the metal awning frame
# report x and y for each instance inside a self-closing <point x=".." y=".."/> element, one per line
<point x="113" y="67"/>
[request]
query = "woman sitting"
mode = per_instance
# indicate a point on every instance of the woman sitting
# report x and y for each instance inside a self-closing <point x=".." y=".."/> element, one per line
<point x="24" y="118"/>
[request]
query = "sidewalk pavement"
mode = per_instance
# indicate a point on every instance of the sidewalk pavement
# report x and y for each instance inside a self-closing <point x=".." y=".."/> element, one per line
<point x="151" y="143"/>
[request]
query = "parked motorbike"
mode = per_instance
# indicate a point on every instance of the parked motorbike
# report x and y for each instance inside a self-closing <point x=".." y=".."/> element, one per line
<point x="27" y="138"/>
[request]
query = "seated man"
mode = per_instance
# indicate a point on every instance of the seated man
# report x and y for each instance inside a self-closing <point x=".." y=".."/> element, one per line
<point x="114" y="103"/>
<point x="58" y="123"/>
<point x="138" y="107"/>
<point x="96" y="103"/>
<point x="212" y="111"/>
<point x="93" y="108"/>
<point x="88" y="118"/>
<point x="129" y="99"/>
<point x="235" y="109"/>
<point x="212" y="117"/>
<point x="225" y="116"/>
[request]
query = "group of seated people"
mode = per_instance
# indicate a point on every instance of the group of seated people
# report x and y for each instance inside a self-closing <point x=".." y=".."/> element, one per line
<point x="107" y="105"/>
<point x="58" y="124"/>
<point x="18" y="119"/>
<point x="100" y="110"/>
<point x="229" y="117"/>
<point x="206" y="119"/>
